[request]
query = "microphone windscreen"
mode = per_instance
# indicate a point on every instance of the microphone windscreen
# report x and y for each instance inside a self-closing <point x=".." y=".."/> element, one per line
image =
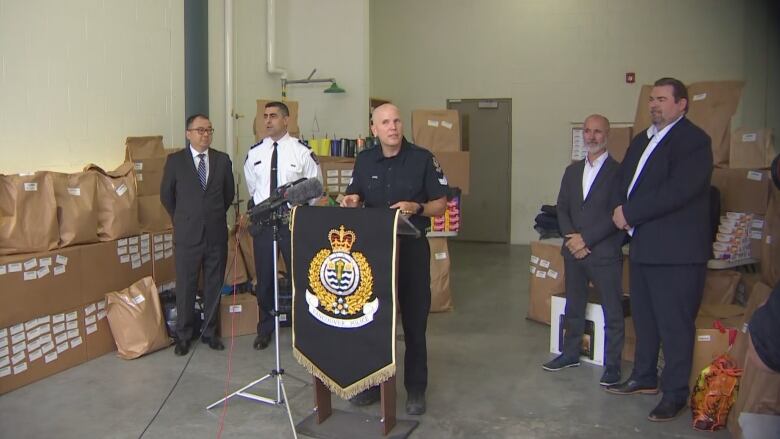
<point x="303" y="192"/>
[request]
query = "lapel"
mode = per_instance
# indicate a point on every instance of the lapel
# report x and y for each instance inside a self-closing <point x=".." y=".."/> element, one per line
<point x="577" y="180"/>
<point x="606" y="167"/>
<point x="212" y="167"/>
<point x="656" y="152"/>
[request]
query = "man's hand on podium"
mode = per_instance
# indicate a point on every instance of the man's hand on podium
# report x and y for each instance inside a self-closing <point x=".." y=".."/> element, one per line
<point x="350" y="201"/>
<point x="407" y="208"/>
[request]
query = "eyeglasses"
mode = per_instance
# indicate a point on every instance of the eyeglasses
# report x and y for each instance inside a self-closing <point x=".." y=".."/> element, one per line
<point x="202" y="131"/>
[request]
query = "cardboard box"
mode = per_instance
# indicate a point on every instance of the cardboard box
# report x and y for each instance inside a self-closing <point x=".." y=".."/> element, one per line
<point x="39" y="284"/>
<point x="97" y="332"/>
<point x="642" y="120"/>
<point x="40" y="347"/>
<point x="742" y="190"/>
<point x="711" y="104"/>
<point x="751" y="148"/>
<point x="770" y="249"/>
<point x="152" y="216"/>
<point x="148" y="175"/>
<point x="456" y="168"/>
<point x="745" y="287"/>
<point x="242" y="314"/>
<point x="436" y="130"/>
<point x="163" y="257"/>
<point x="720" y="286"/>
<point x="547" y="279"/>
<point x="336" y="174"/>
<point x="618" y="141"/>
<point x="114" y="265"/>
<point x="292" y="123"/>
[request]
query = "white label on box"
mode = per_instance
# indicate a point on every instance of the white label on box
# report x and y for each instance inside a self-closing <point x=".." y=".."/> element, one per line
<point x="139" y="177"/>
<point x="145" y="259"/>
<point x="144" y="246"/>
<point x="158" y="255"/>
<point x="36" y="354"/>
<point x="101" y="315"/>
<point x="33" y="334"/>
<point x="17" y="338"/>
<point x="45" y="329"/>
<point x="19" y="368"/>
<point x="75" y="191"/>
<point x="4" y="361"/>
<point x="44" y="320"/>
<point x="235" y="308"/>
<point x="749" y="137"/>
<point x="168" y="237"/>
<point x="446" y="124"/>
<point x="62" y="347"/>
<point x="90" y="309"/>
<point x="3" y="333"/>
<point x="133" y="249"/>
<point x="91" y="329"/>
<point x="533" y="269"/>
<point x="124" y="259"/>
<point x="703" y="338"/>
<point x="333" y="180"/>
<point x="433" y="123"/>
<point x="3" y="345"/>
<point x="768" y="239"/>
<point x="121" y="251"/>
<point x="440" y="256"/>
<point x="4" y="350"/>
<point x="346" y="173"/>
<point x="71" y="316"/>
<point x="121" y="189"/>
<point x="2" y="270"/>
<point x="46" y="347"/>
<point x="552" y="273"/>
<point x="534" y="259"/>
<point x="44" y="262"/>
<point x="541" y="274"/>
<point x="168" y="253"/>
<point x="122" y="242"/>
<point x="90" y="320"/>
<point x="333" y="173"/>
<point x="4" y="372"/>
<point x="135" y="264"/>
<point x="168" y="246"/>
<point x="58" y="270"/>
<point x="73" y="333"/>
<point x="19" y="347"/>
<point x="45" y="339"/>
<point x="75" y="342"/>
<point x="30" y="264"/>
<point x="62" y="260"/>
<point x="133" y="240"/>
<point x="17" y="358"/>
<point x="50" y="357"/>
<point x="58" y="318"/>
<point x="145" y="238"/>
<point x="101" y="304"/>
<point x="756" y="234"/>
<point x="61" y="338"/>
<point x="31" y="187"/>
<point x="755" y="176"/>
<point x="30" y="324"/>
<point x="158" y="239"/>
<point x="30" y="275"/>
<point x="72" y="326"/>
<point x="15" y="267"/>
<point x="342" y="189"/>
<point x="138" y="299"/>
<point x="15" y="329"/>
<point x="699" y="97"/>
<point x="33" y="345"/>
<point x="757" y="224"/>
<point x="135" y="257"/>
<point x="544" y="263"/>
<point x="138" y="166"/>
<point x="43" y="272"/>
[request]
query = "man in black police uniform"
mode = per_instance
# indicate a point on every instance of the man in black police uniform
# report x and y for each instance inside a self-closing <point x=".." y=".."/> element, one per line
<point x="401" y="175"/>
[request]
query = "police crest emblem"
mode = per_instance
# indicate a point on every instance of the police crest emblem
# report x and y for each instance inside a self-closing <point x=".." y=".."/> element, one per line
<point x="341" y="282"/>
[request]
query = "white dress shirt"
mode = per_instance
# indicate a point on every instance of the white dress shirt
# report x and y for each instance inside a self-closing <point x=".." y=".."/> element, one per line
<point x="655" y="137"/>
<point x="591" y="171"/>
<point x="293" y="161"/>
<point x="196" y="160"/>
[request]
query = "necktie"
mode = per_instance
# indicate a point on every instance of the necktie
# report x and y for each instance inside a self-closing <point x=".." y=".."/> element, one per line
<point x="274" y="159"/>
<point x="202" y="170"/>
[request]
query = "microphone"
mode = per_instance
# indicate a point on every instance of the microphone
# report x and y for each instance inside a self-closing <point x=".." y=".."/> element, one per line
<point x="304" y="191"/>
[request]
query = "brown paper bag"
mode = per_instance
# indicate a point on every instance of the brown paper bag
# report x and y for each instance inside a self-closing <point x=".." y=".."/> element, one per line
<point x="751" y="148"/>
<point x="711" y="104"/>
<point x="770" y="249"/>
<point x="137" y="148"/>
<point x="436" y="130"/>
<point x="77" y="215"/>
<point x="292" y="123"/>
<point x="245" y="244"/>
<point x="28" y="214"/>
<point x="720" y="286"/>
<point x="235" y="272"/>
<point x="152" y="216"/>
<point x="547" y="278"/>
<point x="441" y="297"/>
<point x="136" y="319"/>
<point x="642" y="120"/>
<point x="117" y="203"/>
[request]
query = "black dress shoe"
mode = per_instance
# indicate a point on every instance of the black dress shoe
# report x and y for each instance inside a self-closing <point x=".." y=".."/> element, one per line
<point x="182" y="347"/>
<point x="366" y="397"/>
<point x="214" y="343"/>
<point x="261" y="341"/>
<point x="632" y="386"/>
<point x="666" y="410"/>
<point x="415" y="403"/>
<point x="610" y="377"/>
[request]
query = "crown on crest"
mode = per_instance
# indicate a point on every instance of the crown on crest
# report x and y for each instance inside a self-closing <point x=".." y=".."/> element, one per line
<point x="341" y="240"/>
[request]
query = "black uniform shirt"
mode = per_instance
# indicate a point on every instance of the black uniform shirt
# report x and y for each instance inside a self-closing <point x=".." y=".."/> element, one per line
<point x="411" y="175"/>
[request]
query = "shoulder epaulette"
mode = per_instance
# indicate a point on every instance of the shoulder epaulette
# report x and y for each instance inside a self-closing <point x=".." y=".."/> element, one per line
<point x="256" y="144"/>
<point x="304" y="144"/>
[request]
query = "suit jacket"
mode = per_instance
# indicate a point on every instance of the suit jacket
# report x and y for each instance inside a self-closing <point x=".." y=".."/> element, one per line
<point x="670" y="203"/>
<point x="591" y="217"/>
<point x="197" y="213"/>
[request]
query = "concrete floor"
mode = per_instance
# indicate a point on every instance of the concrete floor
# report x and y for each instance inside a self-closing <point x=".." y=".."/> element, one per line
<point x="485" y="380"/>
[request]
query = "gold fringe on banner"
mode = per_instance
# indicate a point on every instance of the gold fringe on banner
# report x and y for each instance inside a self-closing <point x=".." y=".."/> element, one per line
<point x="366" y="383"/>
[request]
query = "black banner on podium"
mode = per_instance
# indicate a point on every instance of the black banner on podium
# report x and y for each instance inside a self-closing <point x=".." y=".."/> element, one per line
<point x="343" y="266"/>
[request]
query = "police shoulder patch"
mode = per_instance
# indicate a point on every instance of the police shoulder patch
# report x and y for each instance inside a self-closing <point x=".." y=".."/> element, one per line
<point x="314" y="157"/>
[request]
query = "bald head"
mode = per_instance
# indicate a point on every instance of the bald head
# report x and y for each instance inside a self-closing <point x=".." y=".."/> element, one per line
<point x="386" y="124"/>
<point x="595" y="132"/>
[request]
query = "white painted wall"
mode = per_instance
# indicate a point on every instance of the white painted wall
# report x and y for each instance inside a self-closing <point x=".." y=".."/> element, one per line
<point x="79" y="76"/>
<point x="559" y="60"/>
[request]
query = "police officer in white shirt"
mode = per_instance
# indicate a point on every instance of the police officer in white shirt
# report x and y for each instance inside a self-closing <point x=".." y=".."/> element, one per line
<point x="277" y="160"/>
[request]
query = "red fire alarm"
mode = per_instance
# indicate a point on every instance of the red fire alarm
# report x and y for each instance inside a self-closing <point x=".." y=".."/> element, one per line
<point x="630" y="77"/>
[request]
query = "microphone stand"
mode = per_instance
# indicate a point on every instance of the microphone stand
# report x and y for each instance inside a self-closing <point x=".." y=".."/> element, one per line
<point x="277" y="373"/>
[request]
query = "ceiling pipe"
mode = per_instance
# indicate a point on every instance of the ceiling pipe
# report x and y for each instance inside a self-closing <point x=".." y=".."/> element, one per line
<point x="270" y="27"/>
<point x="230" y="143"/>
